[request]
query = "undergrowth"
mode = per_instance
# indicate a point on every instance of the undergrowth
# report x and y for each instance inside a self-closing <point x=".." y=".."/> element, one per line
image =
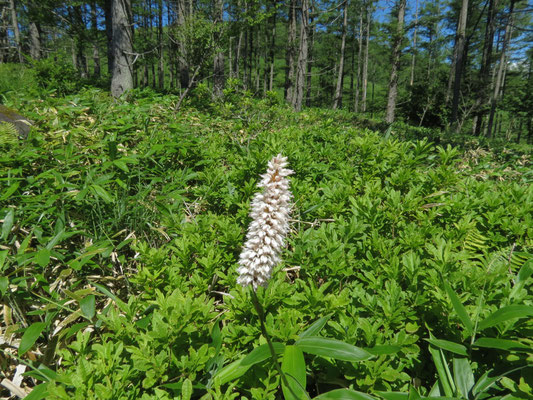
<point x="122" y="223"/>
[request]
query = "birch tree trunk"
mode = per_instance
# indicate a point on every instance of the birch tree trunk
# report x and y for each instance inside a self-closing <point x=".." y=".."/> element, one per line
<point x="122" y="77"/>
<point x="337" y="100"/>
<point x="395" y="64"/>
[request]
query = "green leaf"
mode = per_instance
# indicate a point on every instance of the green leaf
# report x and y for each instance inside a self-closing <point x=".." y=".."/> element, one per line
<point x="3" y="256"/>
<point x="344" y="394"/>
<point x="87" y="305"/>
<point x="186" y="389"/>
<point x="442" y="370"/>
<point x="38" y="392"/>
<point x="449" y="346"/>
<point x="463" y="376"/>
<point x="393" y="395"/>
<point x="459" y="309"/>
<point x="238" y="368"/>
<point x="502" y="344"/>
<point x="315" y="327"/>
<point x="10" y="190"/>
<point x="122" y="165"/>
<point x="523" y="275"/>
<point x="8" y="223"/>
<point x="332" y="348"/>
<point x="30" y="336"/>
<point x="505" y="314"/>
<point x="384" y="349"/>
<point x="293" y="366"/>
<point x="261" y="353"/>
<point x="120" y="304"/>
<point x="4" y="283"/>
<point x="102" y="193"/>
<point x="42" y="257"/>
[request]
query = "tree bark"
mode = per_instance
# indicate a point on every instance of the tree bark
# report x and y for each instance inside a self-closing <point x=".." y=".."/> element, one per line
<point x="16" y="30"/>
<point x="301" y="69"/>
<point x="484" y="72"/>
<point x="122" y="78"/>
<point x="94" y="33"/>
<point x="271" y="54"/>
<point x="359" y="58"/>
<point x="499" y="83"/>
<point x="218" y="67"/>
<point x="337" y="100"/>
<point x="290" y="54"/>
<point x="161" y="65"/>
<point x="365" y="59"/>
<point x="459" y="51"/>
<point x="109" y="34"/>
<point x="412" y="80"/>
<point x="395" y="64"/>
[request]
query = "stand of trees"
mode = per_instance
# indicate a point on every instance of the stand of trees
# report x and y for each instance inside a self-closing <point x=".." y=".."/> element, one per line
<point x="464" y="65"/>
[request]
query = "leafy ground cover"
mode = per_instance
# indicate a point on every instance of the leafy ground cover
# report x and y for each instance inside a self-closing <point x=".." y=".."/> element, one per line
<point x="121" y="224"/>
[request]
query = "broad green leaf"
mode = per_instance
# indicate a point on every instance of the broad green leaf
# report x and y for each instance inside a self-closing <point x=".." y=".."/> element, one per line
<point x="4" y="283"/>
<point x="413" y="393"/>
<point x="505" y="314"/>
<point x="344" y="394"/>
<point x="42" y="257"/>
<point x="261" y="353"/>
<point x="87" y="305"/>
<point x="101" y="192"/>
<point x="8" y="223"/>
<point x="485" y="382"/>
<point x="38" y="392"/>
<point x="459" y="309"/>
<point x="293" y="366"/>
<point x="383" y="349"/>
<point x="332" y="348"/>
<point x="120" y="304"/>
<point x="3" y="255"/>
<point x="122" y="165"/>
<point x="186" y="389"/>
<point x="393" y="395"/>
<point x="449" y="346"/>
<point x="502" y="344"/>
<point x="463" y="376"/>
<point x="30" y="336"/>
<point x="442" y="370"/>
<point x="238" y="368"/>
<point x="523" y="275"/>
<point x="315" y="327"/>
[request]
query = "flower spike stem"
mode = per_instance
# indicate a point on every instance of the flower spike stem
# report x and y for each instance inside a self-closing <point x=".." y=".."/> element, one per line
<point x="261" y="315"/>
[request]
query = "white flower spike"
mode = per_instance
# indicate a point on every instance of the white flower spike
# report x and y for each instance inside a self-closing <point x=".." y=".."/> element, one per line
<point x="269" y="226"/>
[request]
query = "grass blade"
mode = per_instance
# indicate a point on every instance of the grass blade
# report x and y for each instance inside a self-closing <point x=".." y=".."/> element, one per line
<point x="332" y="348"/>
<point x="505" y="314"/>
<point x="459" y="309"/>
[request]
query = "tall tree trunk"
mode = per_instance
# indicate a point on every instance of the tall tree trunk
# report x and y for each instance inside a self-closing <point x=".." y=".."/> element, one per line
<point x="16" y="30"/>
<point x="218" y="65"/>
<point x="359" y="58"/>
<point x="4" y="44"/>
<point x="365" y="59"/>
<point x="301" y="69"/>
<point x="272" y="49"/>
<point x="161" y="67"/>
<point x="458" y="55"/>
<point x="412" y="79"/>
<point x="94" y="34"/>
<point x="499" y="83"/>
<point x="337" y="100"/>
<point x="395" y="64"/>
<point x="484" y="72"/>
<point x="311" y="31"/>
<point x="109" y="34"/>
<point x="122" y="78"/>
<point x="182" y="49"/>
<point x="290" y="54"/>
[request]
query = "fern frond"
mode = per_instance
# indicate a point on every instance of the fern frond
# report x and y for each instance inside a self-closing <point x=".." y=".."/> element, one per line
<point x="8" y="133"/>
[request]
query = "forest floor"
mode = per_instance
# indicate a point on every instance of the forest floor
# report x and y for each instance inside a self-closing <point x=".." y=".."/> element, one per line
<point x="409" y="258"/>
